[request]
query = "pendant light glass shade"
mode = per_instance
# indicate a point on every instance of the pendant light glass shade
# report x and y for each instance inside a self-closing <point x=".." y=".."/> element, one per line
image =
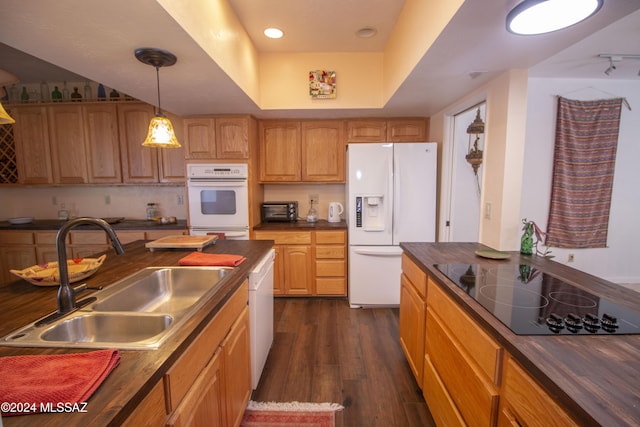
<point x="5" y="118"/>
<point x="544" y="16"/>
<point x="161" y="134"/>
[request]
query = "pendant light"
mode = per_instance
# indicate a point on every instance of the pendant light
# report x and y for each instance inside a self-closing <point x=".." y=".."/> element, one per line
<point x="474" y="153"/>
<point x="5" y="118"/>
<point x="6" y="78"/>
<point x="544" y="16"/>
<point x="161" y="134"/>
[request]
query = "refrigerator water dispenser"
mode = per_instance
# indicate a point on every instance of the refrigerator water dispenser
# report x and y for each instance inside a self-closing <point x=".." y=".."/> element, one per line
<point x="369" y="212"/>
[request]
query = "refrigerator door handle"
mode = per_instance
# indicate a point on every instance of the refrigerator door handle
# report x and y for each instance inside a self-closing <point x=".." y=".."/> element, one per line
<point x="373" y="252"/>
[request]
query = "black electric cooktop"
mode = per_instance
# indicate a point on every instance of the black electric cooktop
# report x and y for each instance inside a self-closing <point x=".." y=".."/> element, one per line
<point x="531" y="302"/>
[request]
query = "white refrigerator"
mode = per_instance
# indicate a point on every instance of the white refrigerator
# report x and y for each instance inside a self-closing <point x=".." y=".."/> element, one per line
<point x="391" y="199"/>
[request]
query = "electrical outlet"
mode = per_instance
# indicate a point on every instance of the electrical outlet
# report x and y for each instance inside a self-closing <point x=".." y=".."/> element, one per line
<point x="314" y="198"/>
<point x="571" y="258"/>
<point x="180" y="199"/>
<point x="107" y="199"/>
<point x="487" y="210"/>
<point x="54" y="200"/>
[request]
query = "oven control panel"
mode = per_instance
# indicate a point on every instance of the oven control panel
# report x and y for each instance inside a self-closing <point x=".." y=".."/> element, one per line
<point x="217" y="171"/>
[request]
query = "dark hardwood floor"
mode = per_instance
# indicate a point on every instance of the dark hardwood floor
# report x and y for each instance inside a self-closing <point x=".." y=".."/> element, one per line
<point x="324" y="351"/>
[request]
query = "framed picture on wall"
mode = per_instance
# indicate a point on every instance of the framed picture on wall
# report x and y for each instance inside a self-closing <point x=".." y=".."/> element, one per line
<point x="322" y="84"/>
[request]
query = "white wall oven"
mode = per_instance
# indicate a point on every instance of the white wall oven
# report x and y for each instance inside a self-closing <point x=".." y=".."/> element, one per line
<point x="218" y="197"/>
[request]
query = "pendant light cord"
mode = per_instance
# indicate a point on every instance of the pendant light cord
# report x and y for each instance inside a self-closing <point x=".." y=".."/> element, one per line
<point x="158" y="82"/>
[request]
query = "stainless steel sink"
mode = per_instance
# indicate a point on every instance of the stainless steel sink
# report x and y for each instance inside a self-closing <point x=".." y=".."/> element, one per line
<point x="108" y="328"/>
<point x="138" y="312"/>
<point x="163" y="290"/>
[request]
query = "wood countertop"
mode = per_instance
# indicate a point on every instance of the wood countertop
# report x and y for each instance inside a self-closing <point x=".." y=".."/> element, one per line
<point x="595" y="378"/>
<point x="139" y="370"/>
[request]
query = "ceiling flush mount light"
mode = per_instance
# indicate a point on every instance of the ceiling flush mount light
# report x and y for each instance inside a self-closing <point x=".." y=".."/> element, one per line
<point x="161" y="134"/>
<point x="366" y="32"/>
<point x="274" y="33"/>
<point x="544" y="16"/>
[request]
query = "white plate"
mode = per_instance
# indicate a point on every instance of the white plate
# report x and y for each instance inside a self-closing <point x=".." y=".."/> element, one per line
<point x="20" y="220"/>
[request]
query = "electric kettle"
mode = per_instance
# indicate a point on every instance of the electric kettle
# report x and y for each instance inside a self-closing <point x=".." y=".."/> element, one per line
<point x="335" y="210"/>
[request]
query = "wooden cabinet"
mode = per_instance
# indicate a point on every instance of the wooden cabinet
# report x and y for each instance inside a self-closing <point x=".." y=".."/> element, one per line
<point x="217" y="137"/>
<point x="67" y="139"/>
<point x="280" y="151"/>
<point x="237" y="358"/>
<point x="33" y="153"/>
<point x="102" y="144"/>
<point x="322" y="151"/>
<point x="144" y="164"/>
<point x="463" y="358"/>
<point x="525" y="403"/>
<point x="308" y="263"/>
<point x="331" y="262"/>
<point x="45" y="243"/>
<point x="391" y="130"/>
<point x="17" y="252"/>
<point x="302" y="151"/>
<point x="210" y="384"/>
<point x="413" y="309"/>
<point x="293" y="265"/>
<point x="151" y="411"/>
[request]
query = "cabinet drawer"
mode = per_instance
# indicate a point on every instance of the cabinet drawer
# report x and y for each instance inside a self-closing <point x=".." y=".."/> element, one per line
<point x="415" y="275"/>
<point x="442" y="408"/>
<point x="527" y="402"/>
<point x="88" y="237"/>
<point x="16" y="237"/>
<point x="331" y="286"/>
<point x="183" y="373"/>
<point x="47" y="237"/>
<point x="330" y="237"/>
<point x="150" y="412"/>
<point x="330" y="268"/>
<point x="329" y="252"/>
<point x="475" y="396"/>
<point x="285" y="237"/>
<point x="484" y="350"/>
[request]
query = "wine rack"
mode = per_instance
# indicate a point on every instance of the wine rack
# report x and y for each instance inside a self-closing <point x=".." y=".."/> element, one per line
<point x="8" y="166"/>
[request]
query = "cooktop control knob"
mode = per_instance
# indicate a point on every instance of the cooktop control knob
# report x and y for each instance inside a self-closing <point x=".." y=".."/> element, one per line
<point x="573" y="322"/>
<point x="591" y="322"/>
<point x="609" y="323"/>
<point x="555" y="323"/>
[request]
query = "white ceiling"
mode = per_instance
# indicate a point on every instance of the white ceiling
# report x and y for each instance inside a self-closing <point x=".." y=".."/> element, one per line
<point x="96" y="40"/>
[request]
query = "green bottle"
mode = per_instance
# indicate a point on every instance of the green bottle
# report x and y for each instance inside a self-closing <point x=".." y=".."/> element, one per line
<point x="24" y="96"/>
<point x="56" y="95"/>
<point x="526" y="241"/>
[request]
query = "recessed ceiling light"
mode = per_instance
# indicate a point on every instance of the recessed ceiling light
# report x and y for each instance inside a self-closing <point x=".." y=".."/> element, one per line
<point x="366" y="32"/>
<point x="544" y="16"/>
<point x="273" y="33"/>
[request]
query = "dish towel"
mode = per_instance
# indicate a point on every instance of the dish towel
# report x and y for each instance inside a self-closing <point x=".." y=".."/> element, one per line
<point x="199" y="258"/>
<point x="36" y="383"/>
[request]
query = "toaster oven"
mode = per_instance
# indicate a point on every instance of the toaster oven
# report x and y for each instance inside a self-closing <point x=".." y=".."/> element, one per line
<point x="279" y="211"/>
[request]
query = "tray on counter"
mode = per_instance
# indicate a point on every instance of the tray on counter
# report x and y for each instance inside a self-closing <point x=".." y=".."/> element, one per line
<point x="47" y="274"/>
<point x="182" y="242"/>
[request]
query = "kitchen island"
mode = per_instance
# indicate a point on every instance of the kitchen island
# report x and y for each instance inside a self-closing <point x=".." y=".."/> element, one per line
<point x="594" y="379"/>
<point x="140" y="372"/>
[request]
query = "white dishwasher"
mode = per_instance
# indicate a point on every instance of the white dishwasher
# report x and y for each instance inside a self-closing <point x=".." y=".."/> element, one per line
<point x="261" y="314"/>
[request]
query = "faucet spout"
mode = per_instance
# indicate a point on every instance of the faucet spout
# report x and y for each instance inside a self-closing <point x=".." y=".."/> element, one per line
<point x="66" y="294"/>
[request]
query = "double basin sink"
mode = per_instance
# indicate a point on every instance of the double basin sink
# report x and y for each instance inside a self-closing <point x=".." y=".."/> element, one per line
<point x="140" y="311"/>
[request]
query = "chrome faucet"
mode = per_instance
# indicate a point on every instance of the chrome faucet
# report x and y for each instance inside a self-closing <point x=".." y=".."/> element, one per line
<point x="66" y="294"/>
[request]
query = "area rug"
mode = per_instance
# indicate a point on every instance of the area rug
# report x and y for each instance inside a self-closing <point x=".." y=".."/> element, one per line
<point x="287" y="414"/>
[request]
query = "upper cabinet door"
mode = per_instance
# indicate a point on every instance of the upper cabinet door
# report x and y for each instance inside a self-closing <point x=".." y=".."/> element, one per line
<point x="102" y="145"/>
<point x="33" y="153"/>
<point x="66" y="130"/>
<point x="407" y="130"/>
<point x="171" y="160"/>
<point x="369" y="130"/>
<point x="323" y="151"/>
<point x="199" y="138"/>
<point x="280" y="156"/>
<point x="139" y="164"/>
<point x="232" y="137"/>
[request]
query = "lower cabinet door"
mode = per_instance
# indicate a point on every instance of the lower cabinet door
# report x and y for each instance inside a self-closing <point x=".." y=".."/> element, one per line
<point x="204" y="403"/>
<point x="237" y="369"/>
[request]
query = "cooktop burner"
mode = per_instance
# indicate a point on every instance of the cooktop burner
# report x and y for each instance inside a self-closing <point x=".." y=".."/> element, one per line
<point x="531" y="302"/>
